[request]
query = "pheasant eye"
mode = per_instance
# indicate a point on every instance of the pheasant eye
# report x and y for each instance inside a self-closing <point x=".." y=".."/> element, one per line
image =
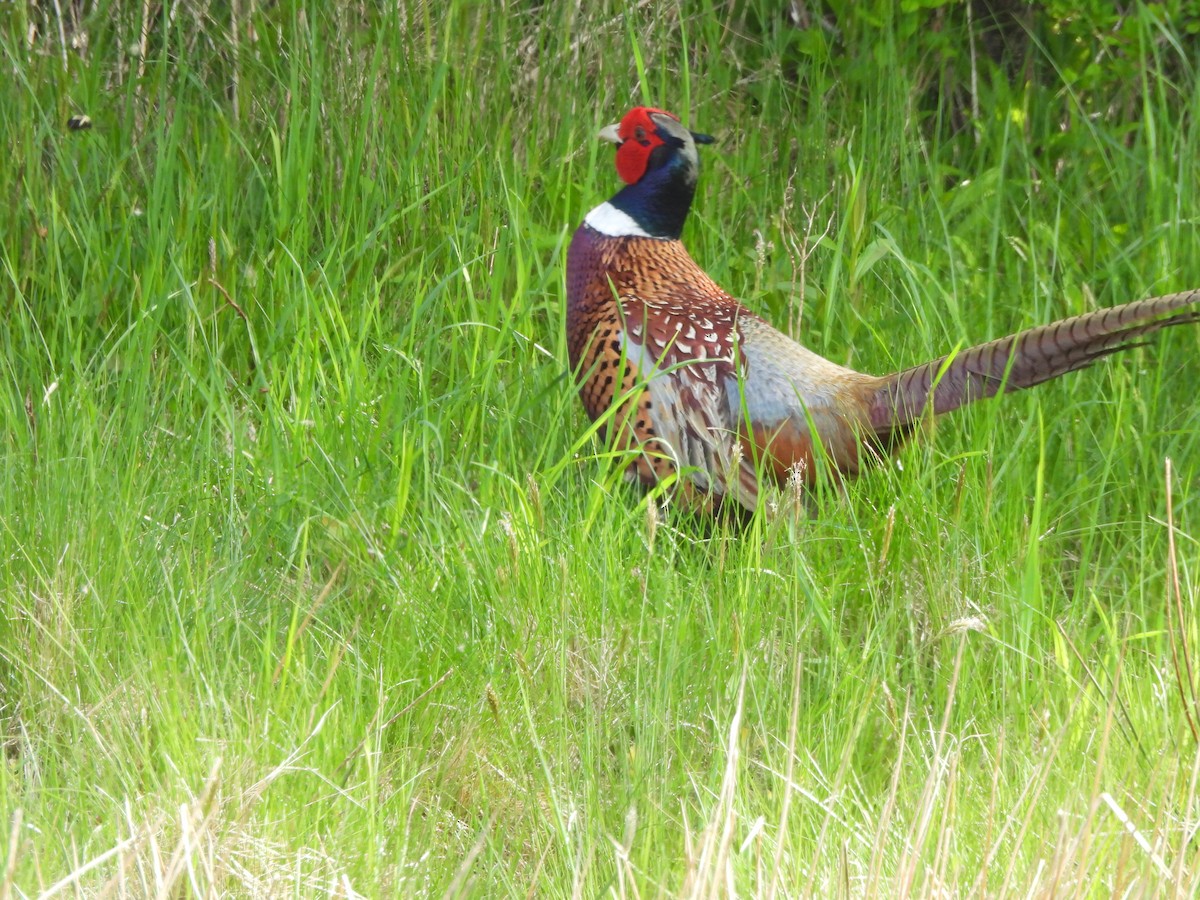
<point x="639" y="134"/>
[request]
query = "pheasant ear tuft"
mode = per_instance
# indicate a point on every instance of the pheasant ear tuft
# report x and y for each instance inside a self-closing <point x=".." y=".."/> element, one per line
<point x="703" y="138"/>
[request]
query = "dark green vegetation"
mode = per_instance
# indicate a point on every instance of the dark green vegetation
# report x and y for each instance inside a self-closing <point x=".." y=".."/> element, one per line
<point x="311" y="578"/>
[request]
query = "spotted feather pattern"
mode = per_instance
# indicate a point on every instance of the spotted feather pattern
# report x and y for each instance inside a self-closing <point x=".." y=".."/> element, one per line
<point x="645" y="323"/>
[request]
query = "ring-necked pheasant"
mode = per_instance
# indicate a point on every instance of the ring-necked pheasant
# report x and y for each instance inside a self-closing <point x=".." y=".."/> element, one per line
<point x="711" y="393"/>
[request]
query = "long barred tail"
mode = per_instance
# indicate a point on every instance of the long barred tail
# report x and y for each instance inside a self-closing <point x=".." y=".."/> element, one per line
<point x="1021" y="360"/>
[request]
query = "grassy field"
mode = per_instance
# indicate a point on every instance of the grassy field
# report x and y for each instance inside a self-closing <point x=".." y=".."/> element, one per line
<point x="313" y="580"/>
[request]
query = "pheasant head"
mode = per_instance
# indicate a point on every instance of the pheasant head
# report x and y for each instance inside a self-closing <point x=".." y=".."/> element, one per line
<point x="658" y="161"/>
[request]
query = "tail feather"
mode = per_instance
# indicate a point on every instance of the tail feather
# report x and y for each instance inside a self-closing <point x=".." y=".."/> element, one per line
<point x="1021" y="360"/>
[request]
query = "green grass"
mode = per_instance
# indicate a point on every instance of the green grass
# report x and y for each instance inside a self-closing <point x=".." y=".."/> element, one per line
<point x="312" y="581"/>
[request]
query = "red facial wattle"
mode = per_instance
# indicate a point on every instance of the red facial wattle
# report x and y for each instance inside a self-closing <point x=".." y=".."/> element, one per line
<point x="639" y="136"/>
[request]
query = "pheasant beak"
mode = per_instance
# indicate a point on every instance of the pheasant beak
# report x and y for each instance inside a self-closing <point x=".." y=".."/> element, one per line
<point x="609" y="133"/>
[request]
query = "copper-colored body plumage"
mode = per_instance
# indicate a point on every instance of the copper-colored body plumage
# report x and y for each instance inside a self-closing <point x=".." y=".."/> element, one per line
<point x="712" y="394"/>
